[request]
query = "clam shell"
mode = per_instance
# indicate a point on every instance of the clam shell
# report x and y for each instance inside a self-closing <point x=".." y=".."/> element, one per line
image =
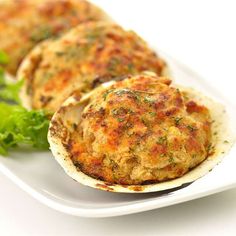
<point x="28" y="66"/>
<point x="71" y="110"/>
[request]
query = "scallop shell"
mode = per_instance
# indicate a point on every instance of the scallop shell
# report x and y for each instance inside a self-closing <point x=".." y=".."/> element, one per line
<point x="69" y="113"/>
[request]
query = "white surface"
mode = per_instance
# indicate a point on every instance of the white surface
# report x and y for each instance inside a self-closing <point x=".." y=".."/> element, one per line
<point x="201" y="34"/>
<point x="22" y="215"/>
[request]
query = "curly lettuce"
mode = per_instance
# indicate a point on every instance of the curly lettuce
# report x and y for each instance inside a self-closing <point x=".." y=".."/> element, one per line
<point x="4" y="58"/>
<point x="9" y="92"/>
<point x="21" y="127"/>
<point x="18" y="126"/>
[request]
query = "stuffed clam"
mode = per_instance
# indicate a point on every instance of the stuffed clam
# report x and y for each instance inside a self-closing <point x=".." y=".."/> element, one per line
<point x="137" y="135"/>
<point x="25" y="23"/>
<point x="80" y="60"/>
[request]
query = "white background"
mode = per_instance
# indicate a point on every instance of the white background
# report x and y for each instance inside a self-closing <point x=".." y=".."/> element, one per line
<point x="202" y="35"/>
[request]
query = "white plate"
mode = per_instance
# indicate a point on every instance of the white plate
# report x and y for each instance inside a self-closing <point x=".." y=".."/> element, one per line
<point x="41" y="176"/>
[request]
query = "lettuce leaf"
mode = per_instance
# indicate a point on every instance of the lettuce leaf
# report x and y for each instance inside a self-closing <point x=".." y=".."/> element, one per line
<point x="19" y="126"/>
<point x="2" y="77"/>
<point x="9" y="91"/>
<point x="4" y="58"/>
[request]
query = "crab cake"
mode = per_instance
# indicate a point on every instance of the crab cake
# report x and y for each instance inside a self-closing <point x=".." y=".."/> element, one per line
<point x="80" y="60"/>
<point x="24" y="23"/>
<point x="137" y="131"/>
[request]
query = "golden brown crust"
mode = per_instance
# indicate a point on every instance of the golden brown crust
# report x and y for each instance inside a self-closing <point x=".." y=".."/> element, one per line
<point x="140" y="131"/>
<point x="24" y="23"/>
<point x="82" y="59"/>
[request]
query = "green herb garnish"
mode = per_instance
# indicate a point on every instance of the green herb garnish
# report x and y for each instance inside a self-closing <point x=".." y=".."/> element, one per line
<point x="171" y="159"/>
<point x="209" y="147"/>
<point x="191" y="128"/>
<point x="130" y="92"/>
<point x="149" y="100"/>
<point x="105" y="94"/>
<point x="153" y="114"/>
<point x="162" y="140"/>
<point x="177" y="120"/>
<point x="120" y="119"/>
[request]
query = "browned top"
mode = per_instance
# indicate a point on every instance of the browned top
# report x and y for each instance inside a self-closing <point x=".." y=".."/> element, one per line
<point x="140" y="131"/>
<point x="24" y="23"/>
<point x="82" y="59"/>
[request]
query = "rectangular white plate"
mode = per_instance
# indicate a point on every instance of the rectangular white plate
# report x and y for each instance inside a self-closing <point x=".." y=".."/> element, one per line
<point x="40" y="175"/>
